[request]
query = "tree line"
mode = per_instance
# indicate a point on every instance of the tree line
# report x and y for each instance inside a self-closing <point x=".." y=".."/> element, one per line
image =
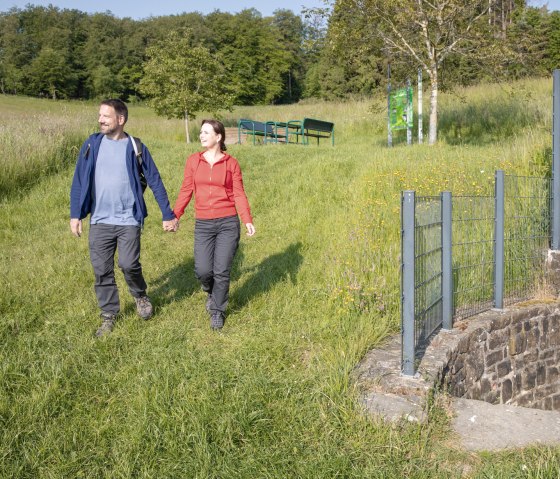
<point x="326" y="53"/>
<point x="46" y="51"/>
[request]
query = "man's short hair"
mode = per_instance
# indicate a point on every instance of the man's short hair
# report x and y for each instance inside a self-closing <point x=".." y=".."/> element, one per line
<point x="119" y="107"/>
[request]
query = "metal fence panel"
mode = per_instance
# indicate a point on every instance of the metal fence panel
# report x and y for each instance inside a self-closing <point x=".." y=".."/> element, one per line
<point x="428" y="267"/>
<point x="526" y="204"/>
<point x="527" y="236"/>
<point x="473" y="255"/>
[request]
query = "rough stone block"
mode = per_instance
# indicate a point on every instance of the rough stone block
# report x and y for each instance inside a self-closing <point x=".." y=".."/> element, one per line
<point x="517" y="344"/>
<point x="501" y="322"/>
<point x="475" y="392"/>
<point x="533" y="337"/>
<point x="541" y="374"/>
<point x="485" y="386"/>
<point x="544" y="326"/>
<point x="546" y="354"/>
<point x="477" y="339"/>
<point x="552" y="375"/>
<point x="492" y="397"/>
<point x="529" y="379"/>
<point x="497" y="339"/>
<point x="517" y="383"/>
<point x="507" y="391"/>
<point x="459" y="390"/>
<point x="531" y="355"/>
<point x="525" y="399"/>
<point x="474" y="365"/>
<point x="493" y="357"/>
<point x="556" y="402"/>
<point x="504" y="368"/>
<point x="463" y="345"/>
<point x="458" y="364"/>
<point x="542" y="392"/>
<point x="554" y="337"/>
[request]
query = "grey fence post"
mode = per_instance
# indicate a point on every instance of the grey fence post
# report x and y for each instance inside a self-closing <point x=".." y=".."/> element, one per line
<point x="408" y="285"/>
<point x="446" y="260"/>
<point x="499" y="242"/>
<point x="556" y="161"/>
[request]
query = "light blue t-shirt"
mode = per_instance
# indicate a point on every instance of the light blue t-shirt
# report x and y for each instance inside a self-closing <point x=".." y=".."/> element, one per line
<point x="114" y="200"/>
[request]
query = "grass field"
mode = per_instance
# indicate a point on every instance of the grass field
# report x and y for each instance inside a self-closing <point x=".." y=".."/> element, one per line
<point x="271" y="395"/>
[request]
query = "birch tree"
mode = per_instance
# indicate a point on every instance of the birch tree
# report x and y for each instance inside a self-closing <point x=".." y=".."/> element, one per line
<point x="182" y="80"/>
<point x="424" y="31"/>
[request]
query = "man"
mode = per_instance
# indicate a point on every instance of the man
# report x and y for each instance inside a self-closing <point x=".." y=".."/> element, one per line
<point x="107" y="185"/>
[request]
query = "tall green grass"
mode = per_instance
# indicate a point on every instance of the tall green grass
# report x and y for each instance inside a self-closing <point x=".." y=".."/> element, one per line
<point x="37" y="139"/>
<point x="271" y="395"/>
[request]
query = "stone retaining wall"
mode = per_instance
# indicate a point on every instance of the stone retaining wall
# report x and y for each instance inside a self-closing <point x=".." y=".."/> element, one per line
<point x="509" y="359"/>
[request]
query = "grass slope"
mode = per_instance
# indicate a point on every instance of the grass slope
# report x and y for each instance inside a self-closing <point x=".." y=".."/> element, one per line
<point x="318" y="286"/>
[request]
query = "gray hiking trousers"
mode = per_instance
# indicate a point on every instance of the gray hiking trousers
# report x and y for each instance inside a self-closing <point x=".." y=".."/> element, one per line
<point x="104" y="241"/>
<point x="215" y="245"/>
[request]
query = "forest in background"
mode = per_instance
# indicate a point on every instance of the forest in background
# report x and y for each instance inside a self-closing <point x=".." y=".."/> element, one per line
<point x="329" y="53"/>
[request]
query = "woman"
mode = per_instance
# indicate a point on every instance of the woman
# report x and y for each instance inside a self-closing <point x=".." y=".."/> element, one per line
<point x="215" y="179"/>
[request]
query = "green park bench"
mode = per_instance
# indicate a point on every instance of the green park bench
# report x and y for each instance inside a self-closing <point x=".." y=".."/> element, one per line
<point x="312" y="128"/>
<point x="265" y="130"/>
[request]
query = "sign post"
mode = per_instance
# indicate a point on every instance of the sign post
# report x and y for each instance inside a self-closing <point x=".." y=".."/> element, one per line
<point x="420" y="133"/>
<point x="401" y="110"/>
<point x="389" y="132"/>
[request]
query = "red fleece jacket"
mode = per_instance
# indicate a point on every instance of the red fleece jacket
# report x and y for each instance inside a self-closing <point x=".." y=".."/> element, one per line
<point x="218" y="189"/>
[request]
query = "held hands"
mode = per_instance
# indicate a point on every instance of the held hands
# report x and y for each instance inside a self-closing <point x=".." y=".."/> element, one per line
<point x="250" y="229"/>
<point x="171" y="225"/>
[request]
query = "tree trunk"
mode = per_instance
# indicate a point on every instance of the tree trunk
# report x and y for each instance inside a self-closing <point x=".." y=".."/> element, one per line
<point x="432" y="135"/>
<point x="187" y="126"/>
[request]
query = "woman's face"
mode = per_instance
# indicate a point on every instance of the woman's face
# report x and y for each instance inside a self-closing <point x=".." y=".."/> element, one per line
<point x="208" y="137"/>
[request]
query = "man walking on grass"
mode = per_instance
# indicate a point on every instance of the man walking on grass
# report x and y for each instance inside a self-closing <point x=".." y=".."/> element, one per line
<point x="107" y="185"/>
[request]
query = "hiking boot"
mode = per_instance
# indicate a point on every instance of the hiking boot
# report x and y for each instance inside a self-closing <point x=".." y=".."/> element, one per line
<point x="217" y="320"/>
<point x="107" y="324"/>
<point x="209" y="303"/>
<point x="144" y="307"/>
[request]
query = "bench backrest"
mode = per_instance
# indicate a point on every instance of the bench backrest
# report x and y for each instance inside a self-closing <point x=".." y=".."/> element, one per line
<point x="317" y="125"/>
<point x="256" y="126"/>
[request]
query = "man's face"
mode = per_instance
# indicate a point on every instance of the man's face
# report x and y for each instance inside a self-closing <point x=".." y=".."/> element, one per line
<point x="109" y="122"/>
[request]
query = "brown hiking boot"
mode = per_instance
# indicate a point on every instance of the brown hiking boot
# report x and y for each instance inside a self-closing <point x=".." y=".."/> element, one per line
<point x="217" y="320"/>
<point x="107" y="324"/>
<point x="144" y="307"/>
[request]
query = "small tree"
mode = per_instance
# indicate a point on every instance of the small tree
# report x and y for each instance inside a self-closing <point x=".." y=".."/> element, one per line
<point x="426" y="32"/>
<point x="182" y="80"/>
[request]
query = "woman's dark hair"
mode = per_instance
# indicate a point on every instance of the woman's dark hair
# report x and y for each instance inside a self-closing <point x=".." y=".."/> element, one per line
<point x="219" y="129"/>
<point x="119" y="106"/>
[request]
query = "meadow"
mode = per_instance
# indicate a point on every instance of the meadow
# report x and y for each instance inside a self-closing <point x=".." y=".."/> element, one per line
<point x="271" y="396"/>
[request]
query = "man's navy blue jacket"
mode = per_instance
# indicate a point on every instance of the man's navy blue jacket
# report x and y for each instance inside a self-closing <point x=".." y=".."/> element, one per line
<point x="81" y="193"/>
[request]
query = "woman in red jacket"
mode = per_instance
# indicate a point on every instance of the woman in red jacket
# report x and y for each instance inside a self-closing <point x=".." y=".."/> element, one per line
<point x="216" y="181"/>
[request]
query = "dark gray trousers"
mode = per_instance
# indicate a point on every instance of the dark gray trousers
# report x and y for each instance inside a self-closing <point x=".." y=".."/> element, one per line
<point x="215" y="244"/>
<point x="104" y="240"/>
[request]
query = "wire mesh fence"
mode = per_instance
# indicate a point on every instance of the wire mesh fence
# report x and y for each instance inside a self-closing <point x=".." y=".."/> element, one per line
<point x="527" y="236"/>
<point x="473" y="255"/>
<point x="498" y="248"/>
<point x="428" y="273"/>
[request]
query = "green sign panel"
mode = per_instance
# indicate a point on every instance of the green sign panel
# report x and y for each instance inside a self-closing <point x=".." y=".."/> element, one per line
<point x="401" y="115"/>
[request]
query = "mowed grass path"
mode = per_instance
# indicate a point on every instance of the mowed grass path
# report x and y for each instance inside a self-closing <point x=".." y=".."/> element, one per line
<point x="270" y="396"/>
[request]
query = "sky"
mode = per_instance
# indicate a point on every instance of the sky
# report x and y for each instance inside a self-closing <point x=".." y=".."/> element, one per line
<point x="143" y="9"/>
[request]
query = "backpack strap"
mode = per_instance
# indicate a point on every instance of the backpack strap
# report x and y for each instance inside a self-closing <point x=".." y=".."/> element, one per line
<point x="137" y="147"/>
